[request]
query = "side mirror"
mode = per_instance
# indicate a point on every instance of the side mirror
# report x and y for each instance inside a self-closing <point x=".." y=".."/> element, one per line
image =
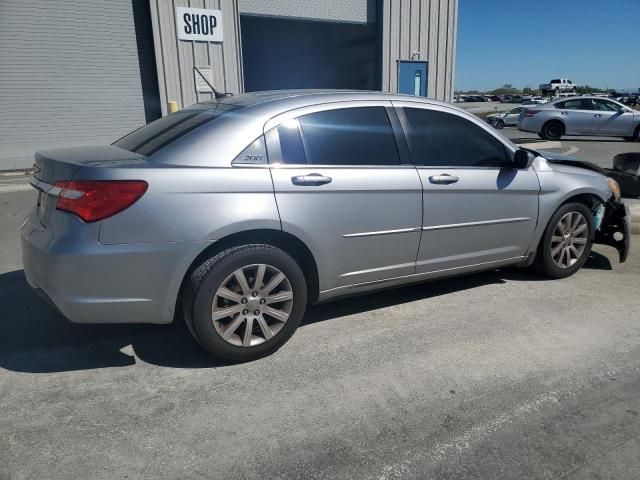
<point x="522" y="159"/>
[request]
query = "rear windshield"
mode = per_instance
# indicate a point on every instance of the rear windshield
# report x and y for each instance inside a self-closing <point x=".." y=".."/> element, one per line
<point x="160" y="133"/>
<point x="557" y="80"/>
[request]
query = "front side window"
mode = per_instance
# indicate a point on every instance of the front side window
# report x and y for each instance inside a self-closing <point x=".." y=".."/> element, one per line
<point x="349" y="136"/>
<point x="440" y="139"/>
<point x="605" y="106"/>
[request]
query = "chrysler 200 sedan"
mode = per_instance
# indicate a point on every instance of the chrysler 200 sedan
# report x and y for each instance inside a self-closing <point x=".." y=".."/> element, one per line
<point x="237" y="213"/>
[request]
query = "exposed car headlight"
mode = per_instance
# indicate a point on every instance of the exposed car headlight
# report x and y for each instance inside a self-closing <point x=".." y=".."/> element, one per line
<point x="614" y="187"/>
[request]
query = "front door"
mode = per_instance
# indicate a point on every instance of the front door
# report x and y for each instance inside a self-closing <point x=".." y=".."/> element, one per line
<point x="610" y="118"/>
<point x="512" y="116"/>
<point x="342" y="188"/>
<point x="477" y="209"/>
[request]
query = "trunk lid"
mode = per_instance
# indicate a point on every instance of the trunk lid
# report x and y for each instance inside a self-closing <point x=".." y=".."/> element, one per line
<point x="62" y="163"/>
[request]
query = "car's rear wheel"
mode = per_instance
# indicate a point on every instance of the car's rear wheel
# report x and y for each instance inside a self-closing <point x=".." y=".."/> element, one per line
<point x="552" y="130"/>
<point x="245" y="302"/>
<point x="566" y="243"/>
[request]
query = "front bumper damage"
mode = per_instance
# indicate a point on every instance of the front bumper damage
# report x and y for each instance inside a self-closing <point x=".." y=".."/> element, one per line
<point x="615" y="228"/>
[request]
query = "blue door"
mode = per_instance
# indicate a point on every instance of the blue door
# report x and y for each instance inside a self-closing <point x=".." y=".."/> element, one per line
<point x="412" y="77"/>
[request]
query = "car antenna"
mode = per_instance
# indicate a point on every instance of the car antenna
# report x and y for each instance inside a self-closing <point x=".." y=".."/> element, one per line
<point x="216" y="93"/>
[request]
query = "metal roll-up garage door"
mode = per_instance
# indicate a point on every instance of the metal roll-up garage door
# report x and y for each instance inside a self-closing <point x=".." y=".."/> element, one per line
<point x="73" y="72"/>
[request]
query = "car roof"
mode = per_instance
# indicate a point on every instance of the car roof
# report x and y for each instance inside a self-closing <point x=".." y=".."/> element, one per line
<point x="273" y="102"/>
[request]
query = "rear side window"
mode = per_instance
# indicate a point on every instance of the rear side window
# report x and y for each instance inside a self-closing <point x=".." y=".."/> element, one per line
<point x="160" y="133"/>
<point x="291" y="144"/>
<point x="349" y="136"/>
<point x="440" y="139"/>
<point x="576" y="104"/>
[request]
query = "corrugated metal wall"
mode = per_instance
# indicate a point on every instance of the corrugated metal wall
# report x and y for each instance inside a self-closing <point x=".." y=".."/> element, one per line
<point x="72" y="72"/>
<point x="175" y="58"/>
<point x="355" y="11"/>
<point x="425" y="26"/>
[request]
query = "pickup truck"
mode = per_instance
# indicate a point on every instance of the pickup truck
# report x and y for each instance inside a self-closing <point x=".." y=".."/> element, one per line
<point x="559" y="85"/>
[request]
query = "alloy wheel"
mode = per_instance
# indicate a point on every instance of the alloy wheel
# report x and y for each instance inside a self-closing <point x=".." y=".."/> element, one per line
<point x="252" y="305"/>
<point x="569" y="239"/>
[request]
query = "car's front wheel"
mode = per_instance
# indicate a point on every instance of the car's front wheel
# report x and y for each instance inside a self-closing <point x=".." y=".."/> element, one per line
<point x="566" y="243"/>
<point x="245" y="302"/>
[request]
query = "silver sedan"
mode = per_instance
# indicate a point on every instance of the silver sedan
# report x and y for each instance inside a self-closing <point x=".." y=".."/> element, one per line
<point x="235" y="214"/>
<point x="581" y="116"/>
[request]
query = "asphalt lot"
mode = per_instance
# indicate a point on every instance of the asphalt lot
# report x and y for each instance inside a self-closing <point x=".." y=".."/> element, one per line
<point x="496" y="375"/>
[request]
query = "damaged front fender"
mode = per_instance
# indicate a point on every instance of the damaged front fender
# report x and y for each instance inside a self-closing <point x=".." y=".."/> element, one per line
<point x="615" y="229"/>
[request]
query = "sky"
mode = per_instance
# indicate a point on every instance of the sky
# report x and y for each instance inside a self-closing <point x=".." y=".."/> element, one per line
<point x="528" y="42"/>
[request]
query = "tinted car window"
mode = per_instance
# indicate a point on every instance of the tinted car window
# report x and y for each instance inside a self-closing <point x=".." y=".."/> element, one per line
<point x="160" y="133"/>
<point x="442" y="139"/>
<point x="350" y="136"/>
<point x="576" y="104"/>
<point x="605" y="106"/>
<point x="291" y="144"/>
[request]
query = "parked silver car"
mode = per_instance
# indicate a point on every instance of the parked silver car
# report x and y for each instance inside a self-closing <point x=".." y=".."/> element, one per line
<point x="504" y="119"/>
<point x="581" y="116"/>
<point x="239" y="212"/>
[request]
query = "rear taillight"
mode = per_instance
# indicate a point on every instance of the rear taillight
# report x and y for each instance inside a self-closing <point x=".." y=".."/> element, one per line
<point x="94" y="200"/>
<point x="530" y="113"/>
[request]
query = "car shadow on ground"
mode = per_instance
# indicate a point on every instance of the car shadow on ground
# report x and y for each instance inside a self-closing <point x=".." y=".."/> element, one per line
<point x="34" y="338"/>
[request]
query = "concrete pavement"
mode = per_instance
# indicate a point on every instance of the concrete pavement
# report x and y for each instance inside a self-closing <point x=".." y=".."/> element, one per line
<point x="497" y="375"/>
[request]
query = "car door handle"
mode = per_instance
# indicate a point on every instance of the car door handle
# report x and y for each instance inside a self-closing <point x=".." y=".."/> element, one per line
<point x="313" y="180"/>
<point x="444" y="179"/>
<point x="565" y="113"/>
<point x="597" y="115"/>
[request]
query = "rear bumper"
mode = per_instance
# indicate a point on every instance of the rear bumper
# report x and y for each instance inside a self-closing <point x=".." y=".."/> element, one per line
<point x="528" y="124"/>
<point x="89" y="282"/>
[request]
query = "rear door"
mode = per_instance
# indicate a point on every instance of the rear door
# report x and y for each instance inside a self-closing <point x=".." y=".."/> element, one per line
<point x="477" y="209"/>
<point x="577" y="116"/>
<point x="344" y="187"/>
<point x="611" y="118"/>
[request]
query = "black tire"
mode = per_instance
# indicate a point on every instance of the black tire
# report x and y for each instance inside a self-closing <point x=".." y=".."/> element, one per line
<point x="205" y="281"/>
<point x="499" y="124"/>
<point x="574" y="89"/>
<point x="552" y="130"/>
<point x="629" y="139"/>
<point x="544" y="262"/>
<point x="636" y="134"/>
